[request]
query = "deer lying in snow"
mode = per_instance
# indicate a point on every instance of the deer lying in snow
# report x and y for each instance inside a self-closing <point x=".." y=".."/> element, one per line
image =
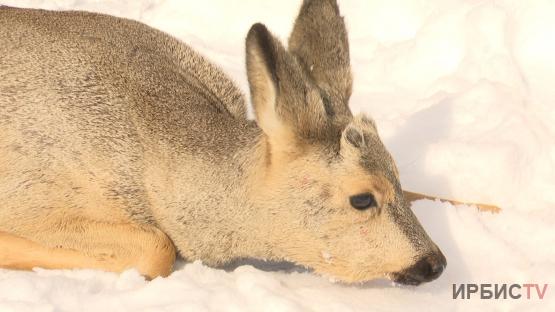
<point x="120" y="146"/>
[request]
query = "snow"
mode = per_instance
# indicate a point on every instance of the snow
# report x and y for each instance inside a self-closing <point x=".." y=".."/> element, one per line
<point x="462" y="92"/>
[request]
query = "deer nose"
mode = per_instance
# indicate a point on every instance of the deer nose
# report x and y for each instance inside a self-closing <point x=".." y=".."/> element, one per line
<point x="429" y="267"/>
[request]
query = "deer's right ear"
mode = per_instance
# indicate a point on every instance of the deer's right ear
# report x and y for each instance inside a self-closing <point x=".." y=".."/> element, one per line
<point x="263" y="53"/>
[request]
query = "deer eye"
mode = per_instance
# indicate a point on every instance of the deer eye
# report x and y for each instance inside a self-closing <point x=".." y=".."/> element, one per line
<point x="363" y="201"/>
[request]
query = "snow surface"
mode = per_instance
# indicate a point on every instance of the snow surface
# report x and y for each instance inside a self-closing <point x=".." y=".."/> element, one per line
<point x="464" y="98"/>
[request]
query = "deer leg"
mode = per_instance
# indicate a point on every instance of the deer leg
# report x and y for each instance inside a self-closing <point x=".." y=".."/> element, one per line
<point x="94" y="245"/>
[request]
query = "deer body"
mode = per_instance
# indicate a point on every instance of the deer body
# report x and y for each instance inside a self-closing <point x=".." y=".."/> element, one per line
<point x="120" y="145"/>
<point x="127" y="154"/>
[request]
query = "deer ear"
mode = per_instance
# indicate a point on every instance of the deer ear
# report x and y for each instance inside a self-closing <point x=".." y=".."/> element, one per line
<point x="263" y="52"/>
<point x="319" y="40"/>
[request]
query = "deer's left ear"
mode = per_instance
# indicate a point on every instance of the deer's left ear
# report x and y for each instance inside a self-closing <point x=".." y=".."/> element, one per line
<point x="288" y="107"/>
<point x="319" y="40"/>
<point x="263" y="59"/>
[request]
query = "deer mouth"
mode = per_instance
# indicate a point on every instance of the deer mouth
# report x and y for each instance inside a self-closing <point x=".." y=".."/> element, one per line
<point x="423" y="271"/>
<point x="427" y="269"/>
<point x="406" y="279"/>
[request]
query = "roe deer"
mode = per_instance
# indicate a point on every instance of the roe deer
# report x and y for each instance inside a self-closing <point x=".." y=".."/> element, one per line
<point x="120" y="146"/>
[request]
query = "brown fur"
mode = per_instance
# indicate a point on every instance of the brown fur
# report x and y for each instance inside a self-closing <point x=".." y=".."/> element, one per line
<point x="118" y="142"/>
